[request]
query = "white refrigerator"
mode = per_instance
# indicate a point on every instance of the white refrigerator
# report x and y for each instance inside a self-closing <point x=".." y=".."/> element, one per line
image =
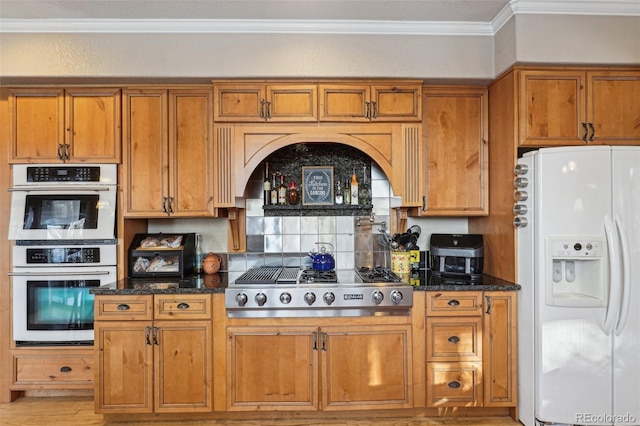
<point x="577" y="213"/>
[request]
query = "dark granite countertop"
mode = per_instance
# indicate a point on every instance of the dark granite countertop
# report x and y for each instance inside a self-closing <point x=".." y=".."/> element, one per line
<point x="214" y="283"/>
<point x="217" y="283"/>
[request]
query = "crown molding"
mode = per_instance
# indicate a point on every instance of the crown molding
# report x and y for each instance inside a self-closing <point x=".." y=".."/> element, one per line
<point x="310" y="26"/>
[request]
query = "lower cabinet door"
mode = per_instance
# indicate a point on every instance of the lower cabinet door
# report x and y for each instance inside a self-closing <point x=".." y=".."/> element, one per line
<point x="366" y="367"/>
<point x="454" y="384"/>
<point x="272" y="368"/>
<point x="183" y="363"/>
<point x="124" y="377"/>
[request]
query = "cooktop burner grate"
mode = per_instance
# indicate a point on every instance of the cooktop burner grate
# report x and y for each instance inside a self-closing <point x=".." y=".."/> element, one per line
<point x="269" y="275"/>
<point x="377" y="275"/>
<point x="315" y="276"/>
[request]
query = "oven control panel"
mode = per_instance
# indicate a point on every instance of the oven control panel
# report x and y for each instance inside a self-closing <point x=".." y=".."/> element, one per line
<point x="63" y="174"/>
<point x="61" y="255"/>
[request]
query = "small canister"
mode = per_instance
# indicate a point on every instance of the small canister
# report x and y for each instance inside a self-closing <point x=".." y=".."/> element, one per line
<point x="401" y="262"/>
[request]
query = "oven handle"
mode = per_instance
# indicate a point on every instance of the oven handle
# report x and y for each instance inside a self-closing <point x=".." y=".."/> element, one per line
<point x="61" y="188"/>
<point x="55" y="274"/>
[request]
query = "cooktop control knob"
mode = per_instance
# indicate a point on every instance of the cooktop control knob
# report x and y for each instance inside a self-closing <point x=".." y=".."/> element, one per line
<point x="329" y="298"/>
<point x="377" y="297"/>
<point x="241" y="299"/>
<point x="261" y="299"/>
<point x="309" y="298"/>
<point x="396" y="296"/>
<point x="285" y="297"/>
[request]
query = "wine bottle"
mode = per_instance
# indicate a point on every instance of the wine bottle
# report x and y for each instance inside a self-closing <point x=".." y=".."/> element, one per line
<point x="339" y="196"/>
<point x="282" y="192"/>
<point x="354" y="188"/>
<point x="266" y="185"/>
<point x="274" y="190"/>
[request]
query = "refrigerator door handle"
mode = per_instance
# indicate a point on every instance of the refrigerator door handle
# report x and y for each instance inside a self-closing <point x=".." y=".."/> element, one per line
<point x="614" y="278"/>
<point x="626" y="275"/>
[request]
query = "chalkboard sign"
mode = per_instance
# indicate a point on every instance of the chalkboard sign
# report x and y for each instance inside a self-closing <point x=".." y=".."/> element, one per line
<point x="317" y="185"/>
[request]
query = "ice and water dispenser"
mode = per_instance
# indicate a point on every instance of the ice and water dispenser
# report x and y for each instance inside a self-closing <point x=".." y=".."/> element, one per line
<point x="575" y="272"/>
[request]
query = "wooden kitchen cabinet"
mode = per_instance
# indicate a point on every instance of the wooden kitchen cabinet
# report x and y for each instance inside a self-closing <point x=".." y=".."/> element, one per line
<point x="259" y="102"/>
<point x="153" y="354"/>
<point x="456" y="151"/>
<point x="366" y="101"/>
<point x="168" y="155"/>
<point x="471" y="349"/>
<point x="59" y="368"/>
<point x="74" y="125"/>
<point x="500" y="328"/>
<point x="577" y="107"/>
<point x="309" y="368"/>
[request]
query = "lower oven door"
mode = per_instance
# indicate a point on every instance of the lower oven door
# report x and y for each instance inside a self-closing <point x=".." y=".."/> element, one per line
<point x="54" y="306"/>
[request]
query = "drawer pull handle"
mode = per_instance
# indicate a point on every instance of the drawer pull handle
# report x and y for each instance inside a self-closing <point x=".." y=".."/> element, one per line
<point x="454" y="339"/>
<point x="65" y="369"/>
<point x="123" y="307"/>
<point x="454" y="384"/>
<point x="183" y="306"/>
<point x="453" y="302"/>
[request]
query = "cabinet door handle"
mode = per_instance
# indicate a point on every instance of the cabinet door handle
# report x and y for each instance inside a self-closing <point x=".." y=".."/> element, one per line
<point x="324" y="341"/>
<point x="453" y="302"/>
<point x="60" y="151"/>
<point x="146" y="335"/>
<point x="488" y="298"/>
<point x="424" y="203"/>
<point x="367" y="111"/>
<point x="454" y="384"/>
<point x="155" y="336"/>
<point x="268" y="110"/>
<point x="123" y="307"/>
<point x="586" y="132"/>
<point x="164" y="205"/>
<point x="65" y="369"/>
<point x="314" y="336"/>
<point x="454" y="339"/>
<point x="183" y="306"/>
<point x="170" y="205"/>
<point x="374" y="110"/>
<point x="593" y="132"/>
<point x="66" y="152"/>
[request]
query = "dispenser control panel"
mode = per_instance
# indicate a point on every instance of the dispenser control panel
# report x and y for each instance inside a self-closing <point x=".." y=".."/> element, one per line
<point x="577" y="248"/>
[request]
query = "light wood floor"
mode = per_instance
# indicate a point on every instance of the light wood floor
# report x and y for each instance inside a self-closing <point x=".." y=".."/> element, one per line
<point x="70" y="411"/>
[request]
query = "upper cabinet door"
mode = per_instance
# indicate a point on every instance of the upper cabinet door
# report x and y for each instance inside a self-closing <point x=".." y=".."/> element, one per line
<point x="370" y="102"/>
<point x="552" y="108"/>
<point x="37" y="125"/>
<point x="146" y="163"/>
<point x="455" y="136"/>
<point x="614" y="107"/>
<point x="257" y="102"/>
<point x="396" y="102"/>
<point x="75" y="125"/>
<point x="344" y="102"/>
<point x="93" y="124"/>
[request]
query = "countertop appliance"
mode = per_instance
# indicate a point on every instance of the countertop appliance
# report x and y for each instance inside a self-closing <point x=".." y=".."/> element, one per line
<point x="293" y="292"/>
<point x="457" y="255"/>
<point x="578" y="231"/>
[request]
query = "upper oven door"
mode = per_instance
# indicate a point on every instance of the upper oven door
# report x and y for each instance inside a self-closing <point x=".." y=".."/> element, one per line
<point x="63" y="213"/>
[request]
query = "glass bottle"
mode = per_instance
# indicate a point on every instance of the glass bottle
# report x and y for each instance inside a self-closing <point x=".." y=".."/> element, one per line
<point x="282" y="192"/>
<point x="197" y="261"/>
<point x="274" y="189"/>
<point x="354" y="188"/>
<point x="266" y="185"/>
<point x="339" y="196"/>
<point x="365" y="193"/>
<point x="347" y="194"/>
<point x="293" y="195"/>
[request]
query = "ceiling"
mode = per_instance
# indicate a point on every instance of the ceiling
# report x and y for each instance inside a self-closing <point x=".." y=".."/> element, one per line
<point x="397" y="16"/>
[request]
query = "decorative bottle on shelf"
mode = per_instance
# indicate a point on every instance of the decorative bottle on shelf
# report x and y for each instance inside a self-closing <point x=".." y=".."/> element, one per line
<point x="365" y="192"/>
<point x="197" y="261"/>
<point x="266" y="185"/>
<point x="274" y="189"/>
<point x="293" y="195"/>
<point x="354" y="188"/>
<point x="339" y="196"/>
<point x="282" y="192"/>
<point x="346" y="194"/>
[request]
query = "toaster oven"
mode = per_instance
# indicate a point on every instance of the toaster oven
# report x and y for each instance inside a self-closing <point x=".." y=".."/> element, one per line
<point x="457" y="255"/>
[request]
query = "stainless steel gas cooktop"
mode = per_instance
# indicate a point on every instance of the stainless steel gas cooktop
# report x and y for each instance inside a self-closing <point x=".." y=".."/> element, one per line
<point x="292" y="292"/>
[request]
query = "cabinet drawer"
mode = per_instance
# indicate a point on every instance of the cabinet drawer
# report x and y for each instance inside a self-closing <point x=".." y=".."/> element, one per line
<point x="454" y="339"/>
<point x="457" y="303"/>
<point x="51" y="371"/>
<point x="454" y="384"/>
<point x="182" y="306"/>
<point x="120" y="308"/>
